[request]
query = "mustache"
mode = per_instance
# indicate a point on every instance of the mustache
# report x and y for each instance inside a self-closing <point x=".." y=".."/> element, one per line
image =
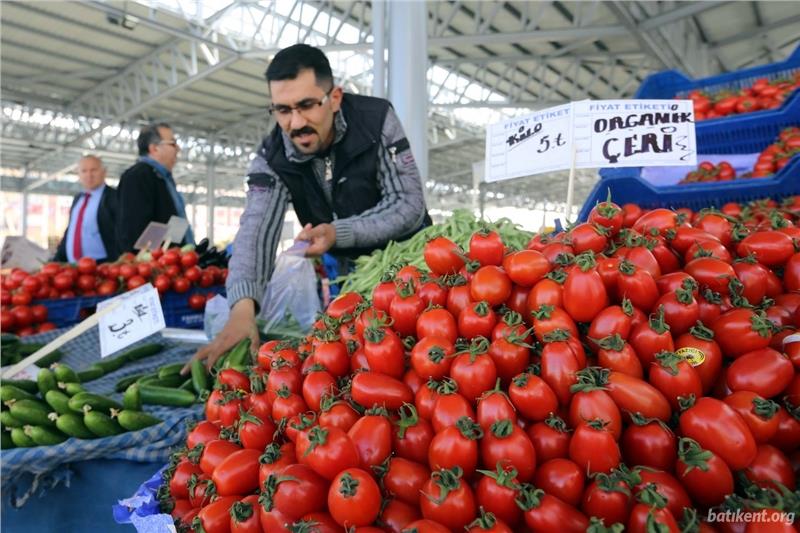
<point x="302" y="131"/>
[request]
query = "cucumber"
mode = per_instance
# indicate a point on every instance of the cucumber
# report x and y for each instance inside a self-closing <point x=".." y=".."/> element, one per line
<point x="46" y="381"/>
<point x="28" y="385"/>
<point x="155" y="395"/>
<point x="74" y="388"/>
<point x="91" y="373"/>
<point x="102" y="425"/>
<point x="20" y="439"/>
<point x="28" y="348"/>
<point x="9" y="356"/>
<point x="6" y="443"/>
<point x="199" y="376"/>
<point x="147" y="377"/>
<point x="146" y="350"/>
<point x="32" y="412"/>
<point x="8" y="339"/>
<point x="72" y="424"/>
<point x="123" y="384"/>
<point x="8" y="420"/>
<point x="95" y="401"/>
<point x="171" y="382"/>
<point x="58" y="401"/>
<point x="187" y="385"/>
<point x="136" y="420"/>
<point x="170" y="370"/>
<point x="111" y="365"/>
<point x="132" y="399"/>
<point x="11" y="393"/>
<point x="239" y="355"/>
<point x="49" y="359"/>
<point x="44" y="436"/>
<point x="65" y="374"/>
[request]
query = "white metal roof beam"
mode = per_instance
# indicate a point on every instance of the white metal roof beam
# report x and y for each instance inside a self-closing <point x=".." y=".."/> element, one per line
<point x="621" y="11"/>
<point x="742" y="36"/>
<point x="198" y="32"/>
<point x="566" y="34"/>
<point x="455" y="62"/>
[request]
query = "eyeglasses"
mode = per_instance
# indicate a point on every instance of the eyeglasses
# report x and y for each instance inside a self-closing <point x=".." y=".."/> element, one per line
<point x="170" y="143"/>
<point x="285" y="111"/>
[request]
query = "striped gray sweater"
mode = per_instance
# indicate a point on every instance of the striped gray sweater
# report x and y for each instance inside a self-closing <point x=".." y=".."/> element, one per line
<point x="400" y="210"/>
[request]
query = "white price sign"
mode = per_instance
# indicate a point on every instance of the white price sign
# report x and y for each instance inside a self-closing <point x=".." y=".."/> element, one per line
<point x="530" y="144"/>
<point x="138" y="316"/>
<point x="604" y="133"/>
<point x="634" y="133"/>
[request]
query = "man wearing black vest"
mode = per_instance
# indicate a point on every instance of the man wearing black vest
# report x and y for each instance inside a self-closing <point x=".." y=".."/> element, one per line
<point x="344" y="163"/>
<point x="92" y="219"/>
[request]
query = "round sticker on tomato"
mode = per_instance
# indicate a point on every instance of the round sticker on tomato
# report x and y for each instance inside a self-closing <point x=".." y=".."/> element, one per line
<point x="693" y="356"/>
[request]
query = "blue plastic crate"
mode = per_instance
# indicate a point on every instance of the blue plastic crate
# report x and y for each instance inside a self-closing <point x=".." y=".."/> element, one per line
<point x="671" y="83"/>
<point x="178" y="314"/>
<point x="69" y="311"/>
<point x="631" y="188"/>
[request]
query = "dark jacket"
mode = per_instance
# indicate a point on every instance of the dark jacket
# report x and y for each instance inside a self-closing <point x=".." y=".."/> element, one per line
<point x="143" y="198"/>
<point x="107" y="215"/>
<point x="355" y="186"/>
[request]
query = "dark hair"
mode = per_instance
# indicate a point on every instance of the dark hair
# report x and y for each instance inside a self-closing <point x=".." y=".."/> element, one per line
<point x="288" y="63"/>
<point x="149" y="135"/>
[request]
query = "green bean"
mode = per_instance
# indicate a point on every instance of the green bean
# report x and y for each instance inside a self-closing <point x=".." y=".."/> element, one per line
<point x="458" y="228"/>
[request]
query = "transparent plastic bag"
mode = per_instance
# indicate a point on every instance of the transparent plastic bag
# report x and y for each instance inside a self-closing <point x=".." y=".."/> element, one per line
<point x="292" y="291"/>
<point x="216" y="315"/>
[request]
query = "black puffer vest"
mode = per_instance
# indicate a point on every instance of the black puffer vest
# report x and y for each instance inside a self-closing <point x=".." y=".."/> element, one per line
<point x="355" y="172"/>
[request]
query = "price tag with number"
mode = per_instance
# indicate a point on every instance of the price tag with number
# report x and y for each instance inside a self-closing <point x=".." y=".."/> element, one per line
<point x="138" y="316"/>
<point x="529" y="144"/>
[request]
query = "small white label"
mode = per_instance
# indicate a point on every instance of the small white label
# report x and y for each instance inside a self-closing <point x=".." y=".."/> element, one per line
<point x="138" y="316"/>
<point x="152" y="236"/>
<point x="176" y="229"/>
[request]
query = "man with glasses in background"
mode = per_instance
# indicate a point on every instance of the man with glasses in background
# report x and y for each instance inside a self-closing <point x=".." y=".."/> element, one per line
<point x="147" y="191"/>
<point x="344" y="163"/>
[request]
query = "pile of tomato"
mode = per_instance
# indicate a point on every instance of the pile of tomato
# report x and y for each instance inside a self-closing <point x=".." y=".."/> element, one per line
<point x="762" y="94"/>
<point x="634" y="371"/>
<point x="778" y="154"/>
<point x="708" y="171"/>
<point x="171" y="270"/>
<point x="771" y="160"/>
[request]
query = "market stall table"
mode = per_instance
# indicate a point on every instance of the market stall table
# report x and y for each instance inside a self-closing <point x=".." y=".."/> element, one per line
<point x="73" y="486"/>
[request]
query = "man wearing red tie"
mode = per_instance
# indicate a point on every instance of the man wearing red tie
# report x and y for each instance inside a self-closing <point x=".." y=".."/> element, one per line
<point x="92" y="219"/>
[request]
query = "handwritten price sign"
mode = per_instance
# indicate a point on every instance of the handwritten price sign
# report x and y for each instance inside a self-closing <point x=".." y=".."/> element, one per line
<point x="530" y="144"/>
<point x="604" y="133"/>
<point x="138" y="316"/>
<point x="634" y="133"/>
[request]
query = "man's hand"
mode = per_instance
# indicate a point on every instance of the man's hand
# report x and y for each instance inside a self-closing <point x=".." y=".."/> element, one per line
<point x="241" y="324"/>
<point x="322" y="238"/>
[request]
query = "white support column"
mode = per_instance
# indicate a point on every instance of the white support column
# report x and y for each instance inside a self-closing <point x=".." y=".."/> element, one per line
<point x="408" y="66"/>
<point x="25" y="197"/>
<point x="210" y="200"/>
<point x="194" y="205"/>
<point x="378" y="48"/>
